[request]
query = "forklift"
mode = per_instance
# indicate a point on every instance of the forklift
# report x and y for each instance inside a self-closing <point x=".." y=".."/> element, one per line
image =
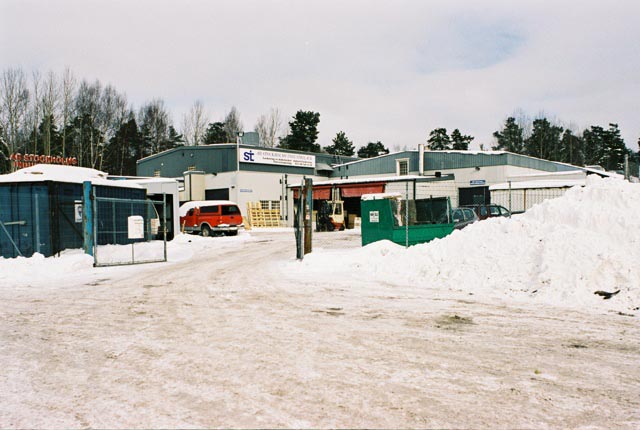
<point x="330" y="215"/>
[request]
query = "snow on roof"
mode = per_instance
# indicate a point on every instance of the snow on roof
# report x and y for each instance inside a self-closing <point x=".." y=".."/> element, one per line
<point x="199" y="203"/>
<point x="60" y="173"/>
<point x="543" y="183"/>
<point x="368" y="179"/>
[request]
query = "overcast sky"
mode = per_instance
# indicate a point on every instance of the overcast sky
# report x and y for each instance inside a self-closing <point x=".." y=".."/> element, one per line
<point x="377" y="70"/>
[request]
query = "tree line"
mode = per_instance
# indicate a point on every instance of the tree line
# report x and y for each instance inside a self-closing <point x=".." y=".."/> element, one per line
<point x="59" y="115"/>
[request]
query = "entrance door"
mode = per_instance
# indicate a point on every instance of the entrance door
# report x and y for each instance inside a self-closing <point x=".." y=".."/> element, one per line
<point x="474" y="196"/>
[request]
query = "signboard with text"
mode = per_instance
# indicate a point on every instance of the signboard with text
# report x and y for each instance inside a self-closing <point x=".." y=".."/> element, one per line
<point x="260" y="156"/>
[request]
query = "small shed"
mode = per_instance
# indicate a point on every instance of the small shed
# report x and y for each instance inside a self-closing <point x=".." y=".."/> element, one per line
<point x="41" y="207"/>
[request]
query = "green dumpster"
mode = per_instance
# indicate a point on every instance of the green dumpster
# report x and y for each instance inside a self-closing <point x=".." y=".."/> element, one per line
<point x="384" y="217"/>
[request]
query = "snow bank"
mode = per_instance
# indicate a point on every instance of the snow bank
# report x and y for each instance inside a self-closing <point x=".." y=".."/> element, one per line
<point x="74" y="267"/>
<point x="559" y="252"/>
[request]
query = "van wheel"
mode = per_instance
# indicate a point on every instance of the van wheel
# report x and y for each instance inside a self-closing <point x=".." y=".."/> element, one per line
<point x="206" y="231"/>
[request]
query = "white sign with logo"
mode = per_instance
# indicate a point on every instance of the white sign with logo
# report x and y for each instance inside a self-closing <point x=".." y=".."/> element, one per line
<point x="77" y="211"/>
<point x="260" y="156"/>
<point x="374" y="216"/>
<point x="135" y="225"/>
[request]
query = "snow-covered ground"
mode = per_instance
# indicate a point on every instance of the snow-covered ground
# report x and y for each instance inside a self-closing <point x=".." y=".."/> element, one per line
<point x="494" y="326"/>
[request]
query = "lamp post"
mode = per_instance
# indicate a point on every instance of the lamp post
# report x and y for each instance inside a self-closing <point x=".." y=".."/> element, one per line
<point x="238" y="139"/>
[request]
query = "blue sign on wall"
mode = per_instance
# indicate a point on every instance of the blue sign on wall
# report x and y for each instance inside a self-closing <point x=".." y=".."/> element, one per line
<point x="477" y="182"/>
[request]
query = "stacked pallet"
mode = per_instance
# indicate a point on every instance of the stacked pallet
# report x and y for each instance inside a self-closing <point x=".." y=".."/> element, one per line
<point x="259" y="217"/>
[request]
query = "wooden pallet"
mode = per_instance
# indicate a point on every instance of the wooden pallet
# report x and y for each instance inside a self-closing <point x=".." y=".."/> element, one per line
<point x="259" y="217"/>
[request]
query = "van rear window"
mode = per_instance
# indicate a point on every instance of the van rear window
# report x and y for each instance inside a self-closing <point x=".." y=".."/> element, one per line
<point x="230" y="210"/>
<point x="209" y="209"/>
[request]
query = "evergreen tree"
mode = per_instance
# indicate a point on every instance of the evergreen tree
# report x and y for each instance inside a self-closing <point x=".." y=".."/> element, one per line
<point x="303" y="132"/>
<point x="81" y="137"/>
<point x="373" y="149"/>
<point x="571" y="149"/>
<point x="216" y="134"/>
<point x="614" y="149"/>
<point x="511" y="138"/>
<point x="174" y="139"/>
<point x="341" y="145"/>
<point x="544" y="141"/>
<point x="124" y="148"/>
<point x="48" y="138"/>
<point x="439" y="140"/>
<point x="5" y="162"/>
<point x="459" y="141"/>
<point x="593" y="139"/>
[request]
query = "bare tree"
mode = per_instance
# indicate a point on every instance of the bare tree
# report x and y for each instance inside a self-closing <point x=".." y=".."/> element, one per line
<point x="14" y="100"/>
<point x="49" y="103"/>
<point x="153" y="120"/>
<point x="34" y="114"/>
<point x="87" y="104"/>
<point x="232" y="124"/>
<point x="111" y="113"/>
<point x="68" y="89"/>
<point x="194" y="124"/>
<point x="269" y="127"/>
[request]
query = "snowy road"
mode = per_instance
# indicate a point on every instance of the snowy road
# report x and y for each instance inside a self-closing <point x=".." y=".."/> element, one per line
<point x="235" y="338"/>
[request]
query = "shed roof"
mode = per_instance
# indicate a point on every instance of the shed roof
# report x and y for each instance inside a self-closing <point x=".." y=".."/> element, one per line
<point x="67" y="174"/>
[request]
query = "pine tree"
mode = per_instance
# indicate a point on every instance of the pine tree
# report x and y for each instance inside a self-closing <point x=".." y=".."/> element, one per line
<point x="614" y="149"/>
<point x="439" y="140"/>
<point x="511" y="138"/>
<point x="372" y="149"/>
<point x="174" y="139"/>
<point x="215" y="134"/>
<point x="341" y="145"/>
<point x="571" y="149"/>
<point x="593" y="139"/>
<point x="124" y="148"/>
<point x="544" y="141"/>
<point x="460" y="142"/>
<point x="5" y="163"/>
<point x="303" y="132"/>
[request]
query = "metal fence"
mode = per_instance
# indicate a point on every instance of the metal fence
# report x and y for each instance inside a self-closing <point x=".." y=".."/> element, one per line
<point x="127" y="231"/>
<point x="327" y="235"/>
<point x="519" y="199"/>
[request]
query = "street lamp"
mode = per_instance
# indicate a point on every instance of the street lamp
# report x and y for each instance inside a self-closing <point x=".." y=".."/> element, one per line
<point x="238" y="139"/>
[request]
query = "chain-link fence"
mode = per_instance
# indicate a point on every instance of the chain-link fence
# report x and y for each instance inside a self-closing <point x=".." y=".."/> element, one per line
<point x="44" y="218"/>
<point x="127" y="231"/>
<point x="519" y="198"/>
<point x="336" y="223"/>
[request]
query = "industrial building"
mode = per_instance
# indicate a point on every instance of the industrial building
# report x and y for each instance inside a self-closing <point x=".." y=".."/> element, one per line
<point x="269" y="177"/>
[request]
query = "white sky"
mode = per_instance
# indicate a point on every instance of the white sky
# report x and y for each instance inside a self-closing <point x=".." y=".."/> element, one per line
<point x="378" y="70"/>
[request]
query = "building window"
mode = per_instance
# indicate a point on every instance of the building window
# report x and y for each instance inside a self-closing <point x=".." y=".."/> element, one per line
<point x="191" y="168"/>
<point x="269" y="204"/>
<point x="402" y="167"/>
<point x="156" y="173"/>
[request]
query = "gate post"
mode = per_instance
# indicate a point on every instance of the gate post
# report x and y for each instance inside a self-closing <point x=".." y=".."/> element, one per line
<point x="87" y="218"/>
<point x="308" y="213"/>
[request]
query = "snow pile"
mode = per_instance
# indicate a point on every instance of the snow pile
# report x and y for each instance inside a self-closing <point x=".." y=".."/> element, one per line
<point x="560" y="252"/>
<point x="74" y="267"/>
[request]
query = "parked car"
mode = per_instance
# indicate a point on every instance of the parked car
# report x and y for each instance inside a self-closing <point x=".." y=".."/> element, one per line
<point x="211" y="216"/>
<point x="489" y="211"/>
<point x="462" y="217"/>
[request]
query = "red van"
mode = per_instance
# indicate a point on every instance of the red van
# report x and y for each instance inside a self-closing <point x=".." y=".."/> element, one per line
<point x="211" y="216"/>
